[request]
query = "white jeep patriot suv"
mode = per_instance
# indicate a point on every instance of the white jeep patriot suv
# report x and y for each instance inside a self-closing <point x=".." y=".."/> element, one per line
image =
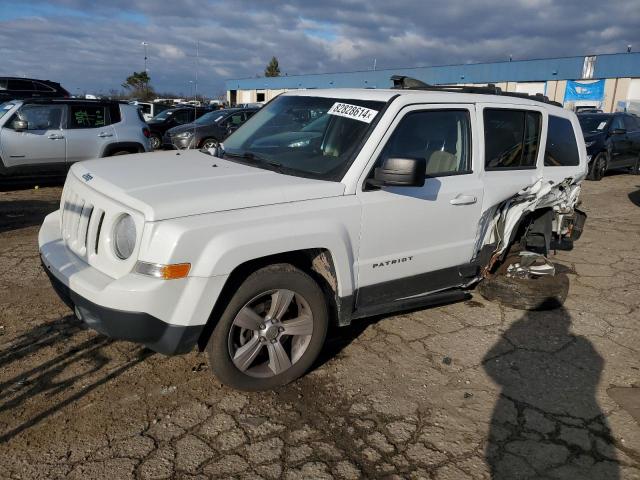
<point x="326" y="206"/>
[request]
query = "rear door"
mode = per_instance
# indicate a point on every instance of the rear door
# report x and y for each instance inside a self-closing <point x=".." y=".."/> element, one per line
<point x="632" y="125"/>
<point x="43" y="142"/>
<point x="620" y="154"/>
<point x="88" y="131"/>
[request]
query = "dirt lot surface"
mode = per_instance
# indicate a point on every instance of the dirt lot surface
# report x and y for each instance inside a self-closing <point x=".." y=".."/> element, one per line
<point x="468" y="390"/>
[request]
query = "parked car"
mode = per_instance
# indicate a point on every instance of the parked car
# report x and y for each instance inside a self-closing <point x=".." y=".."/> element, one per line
<point x="407" y="198"/>
<point x="150" y="109"/>
<point x="14" y="88"/>
<point x="169" y="118"/>
<point x="612" y="141"/>
<point x="51" y="134"/>
<point x="208" y="130"/>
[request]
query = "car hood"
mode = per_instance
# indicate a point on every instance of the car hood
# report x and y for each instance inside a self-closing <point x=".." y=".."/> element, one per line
<point x="176" y="184"/>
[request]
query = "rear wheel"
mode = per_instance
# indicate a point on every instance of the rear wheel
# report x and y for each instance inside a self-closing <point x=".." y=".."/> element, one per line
<point x="598" y="167"/>
<point x="635" y="169"/>
<point x="155" y="141"/>
<point x="272" y="330"/>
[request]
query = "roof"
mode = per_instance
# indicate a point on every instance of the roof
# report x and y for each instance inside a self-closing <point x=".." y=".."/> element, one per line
<point x="427" y="96"/>
<point x="565" y="68"/>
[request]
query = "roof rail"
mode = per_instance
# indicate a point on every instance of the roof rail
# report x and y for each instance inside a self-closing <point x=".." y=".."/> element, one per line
<point x="407" y="83"/>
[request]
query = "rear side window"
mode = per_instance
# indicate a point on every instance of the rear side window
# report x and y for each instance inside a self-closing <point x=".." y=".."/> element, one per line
<point x="511" y="139"/>
<point x="561" y="149"/>
<point x="3" y="84"/>
<point x="114" y="114"/>
<point x="630" y="123"/>
<point x="21" y="85"/>
<point x="41" y="87"/>
<point x="87" y="116"/>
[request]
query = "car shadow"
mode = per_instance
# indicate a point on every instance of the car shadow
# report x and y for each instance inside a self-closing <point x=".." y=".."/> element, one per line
<point x="635" y="197"/>
<point x="339" y="338"/>
<point x="547" y="422"/>
<point x="54" y="381"/>
<point x="16" y="214"/>
<point x="28" y="182"/>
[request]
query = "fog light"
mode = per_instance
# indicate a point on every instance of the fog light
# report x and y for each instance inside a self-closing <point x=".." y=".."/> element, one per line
<point x="166" y="272"/>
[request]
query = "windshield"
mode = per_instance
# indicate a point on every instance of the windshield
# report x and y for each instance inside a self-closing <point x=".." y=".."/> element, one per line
<point x="593" y="123"/>
<point x="313" y="137"/>
<point x="210" y="118"/>
<point x="5" y="107"/>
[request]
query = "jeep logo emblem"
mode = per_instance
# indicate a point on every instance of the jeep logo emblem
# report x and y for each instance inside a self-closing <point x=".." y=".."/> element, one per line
<point x="87" y="177"/>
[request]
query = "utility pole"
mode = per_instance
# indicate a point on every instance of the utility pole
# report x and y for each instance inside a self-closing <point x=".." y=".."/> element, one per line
<point x="146" y="84"/>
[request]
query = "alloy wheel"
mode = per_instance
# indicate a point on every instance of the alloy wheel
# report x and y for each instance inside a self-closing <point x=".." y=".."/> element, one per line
<point x="270" y="333"/>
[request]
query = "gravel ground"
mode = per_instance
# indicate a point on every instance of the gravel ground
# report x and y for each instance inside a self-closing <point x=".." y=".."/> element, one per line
<point x="464" y="391"/>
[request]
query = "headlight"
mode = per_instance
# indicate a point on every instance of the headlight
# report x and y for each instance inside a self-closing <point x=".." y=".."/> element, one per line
<point x="124" y="236"/>
<point x="589" y="144"/>
<point x="184" y="134"/>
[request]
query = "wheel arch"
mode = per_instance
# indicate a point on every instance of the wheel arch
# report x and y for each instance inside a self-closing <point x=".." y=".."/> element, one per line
<point x="131" y="147"/>
<point x="316" y="262"/>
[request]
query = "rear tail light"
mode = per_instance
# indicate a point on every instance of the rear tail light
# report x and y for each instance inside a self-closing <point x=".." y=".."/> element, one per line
<point x="146" y="132"/>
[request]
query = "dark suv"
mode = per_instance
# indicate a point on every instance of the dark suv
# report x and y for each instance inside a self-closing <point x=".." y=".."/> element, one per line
<point x="170" y="118"/>
<point x="13" y="88"/>
<point x="612" y="141"/>
<point x="208" y="130"/>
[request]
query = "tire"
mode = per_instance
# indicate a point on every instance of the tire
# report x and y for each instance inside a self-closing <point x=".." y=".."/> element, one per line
<point x="598" y="168"/>
<point x="209" y="143"/>
<point x="542" y="293"/>
<point x="155" y="141"/>
<point x="256" y="340"/>
<point x="635" y="169"/>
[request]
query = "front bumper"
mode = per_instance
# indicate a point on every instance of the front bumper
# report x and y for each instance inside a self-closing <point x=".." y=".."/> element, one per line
<point x="136" y="327"/>
<point x="165" y="315"/>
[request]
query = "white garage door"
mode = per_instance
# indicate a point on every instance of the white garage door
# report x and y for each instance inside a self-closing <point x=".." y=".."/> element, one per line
<point x="634" y="90"/>
<point x="530" y="87"/>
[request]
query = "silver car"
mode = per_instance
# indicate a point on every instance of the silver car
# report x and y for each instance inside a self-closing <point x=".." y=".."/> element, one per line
<point x="39" y="135"/>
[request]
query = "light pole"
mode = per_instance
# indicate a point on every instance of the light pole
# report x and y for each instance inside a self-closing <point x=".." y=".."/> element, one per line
<point x="146" y="84"/>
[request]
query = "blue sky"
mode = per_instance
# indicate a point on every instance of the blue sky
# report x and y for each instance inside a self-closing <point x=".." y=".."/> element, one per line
<point x="93" y="46"/>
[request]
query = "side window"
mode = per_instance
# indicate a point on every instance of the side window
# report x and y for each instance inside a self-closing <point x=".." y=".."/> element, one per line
<point x="235" y="119"/>
<point x="21" y="85"/>
<point x="561" y="149"/>
<point x="41" y="87"/>
<point x="616" y="123"/>
<point x="41" y="117"/>
<point x="630" y="124"/>
<point x="511" y="138"/>
<point x="114" y="114"/>
<point x="87" y="116"/>
<point x="3" y="84"/>
<point x="182" y="116"/>
<point x="442" y="137"/>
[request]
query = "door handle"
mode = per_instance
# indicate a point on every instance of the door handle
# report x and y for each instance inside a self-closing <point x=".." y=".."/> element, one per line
<point x="55" y="136"/>
<point x="105" y="134"/>
<point x="463" y="200"/>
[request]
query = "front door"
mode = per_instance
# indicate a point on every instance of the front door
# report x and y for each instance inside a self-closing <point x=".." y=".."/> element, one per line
<point x="415" y="238"/>
<point x="42" y="143"/>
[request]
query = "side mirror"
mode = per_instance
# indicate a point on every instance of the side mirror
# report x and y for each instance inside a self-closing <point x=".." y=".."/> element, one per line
<point x="619" y="131"/>
<point x="400" y="172"/>
<point x="20" y="125"/>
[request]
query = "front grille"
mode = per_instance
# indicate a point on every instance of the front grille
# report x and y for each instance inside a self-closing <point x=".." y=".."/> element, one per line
<point x="77" y="215"/>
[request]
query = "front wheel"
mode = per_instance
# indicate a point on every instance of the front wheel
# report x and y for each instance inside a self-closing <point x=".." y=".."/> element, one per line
<point x="209" y="143"/>
<point x="272" y="330"/>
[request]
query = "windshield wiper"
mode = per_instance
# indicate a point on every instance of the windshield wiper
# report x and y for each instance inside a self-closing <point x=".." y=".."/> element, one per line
<point x="278" y="167"/>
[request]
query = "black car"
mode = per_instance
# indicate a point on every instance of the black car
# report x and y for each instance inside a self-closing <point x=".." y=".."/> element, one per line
<point x="208" y="130"/>
<point x="14" y="88"/>
<point x="612" y="141"/>
<point x="170" y="118"/>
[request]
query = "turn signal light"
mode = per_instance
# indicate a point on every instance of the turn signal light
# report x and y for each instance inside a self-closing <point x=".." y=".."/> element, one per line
<point x="165" y="272"/>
